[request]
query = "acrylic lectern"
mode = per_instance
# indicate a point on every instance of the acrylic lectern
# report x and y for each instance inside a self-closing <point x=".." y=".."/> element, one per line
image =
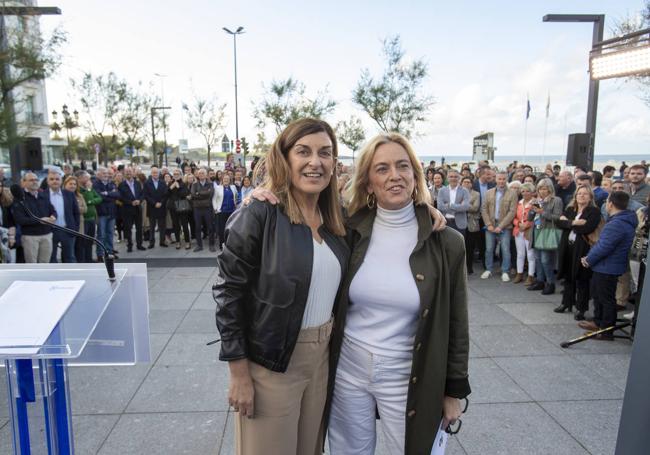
<point x="107" y="323"/>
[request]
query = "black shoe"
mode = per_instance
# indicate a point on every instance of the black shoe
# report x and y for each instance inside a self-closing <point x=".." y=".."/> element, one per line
<point x="141" y="248"/>
<point x="129" y="249"/>
<point x="213" y="249"/>
<point x="579" y="316"/>
<point x="198" y="248"/>
<point x="548" y="289"/>
<point x="151" y="245"/>
<point x="537" y="286"/>
<point x="562" y="308"/>
<point x="164" y="245"/>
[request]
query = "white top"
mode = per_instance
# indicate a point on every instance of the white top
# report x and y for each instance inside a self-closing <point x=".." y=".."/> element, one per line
<point x="325" y="280"/>
<point x="452" y="200"/>
<point x="384" y="299"/>
<point x="572" y="234"/>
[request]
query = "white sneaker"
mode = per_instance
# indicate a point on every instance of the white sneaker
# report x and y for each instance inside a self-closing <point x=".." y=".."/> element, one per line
<point x="485" y="275"/>
<point x="505" y="277"/>
<point x="629" y="316"/>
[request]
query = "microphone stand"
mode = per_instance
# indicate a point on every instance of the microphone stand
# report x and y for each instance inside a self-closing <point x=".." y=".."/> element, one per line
<point x="109" y="258"/>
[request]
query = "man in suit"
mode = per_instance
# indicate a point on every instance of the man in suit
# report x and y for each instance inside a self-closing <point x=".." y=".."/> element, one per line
<point x="453" y="202"/>
<point x="498" y="210"/>
<point x="67" y="215"/>
<point x="484" y="183"/>
<point x="202" y="192"/>
<point x="131" y="197"/>
<point x="155" y="193"/>
<point x="106" y="211"/>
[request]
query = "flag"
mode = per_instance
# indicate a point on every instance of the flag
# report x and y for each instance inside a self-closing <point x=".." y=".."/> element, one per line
<point x="527" y="107"/>
<point x="548" y="104"/>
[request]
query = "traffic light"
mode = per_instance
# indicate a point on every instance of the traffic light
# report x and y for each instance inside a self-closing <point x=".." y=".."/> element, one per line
<point x="238" y="146"/>
<point x="244" y="145"/>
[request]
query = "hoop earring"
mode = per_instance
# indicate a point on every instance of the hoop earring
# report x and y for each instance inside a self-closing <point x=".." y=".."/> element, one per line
<point x="371" y="199"/>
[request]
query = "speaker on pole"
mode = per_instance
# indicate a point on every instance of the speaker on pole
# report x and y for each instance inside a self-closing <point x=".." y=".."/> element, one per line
<point x="580" y="151"/>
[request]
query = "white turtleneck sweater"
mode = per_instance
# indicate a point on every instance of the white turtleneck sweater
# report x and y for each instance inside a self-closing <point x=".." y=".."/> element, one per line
<point x="384" y="299"/>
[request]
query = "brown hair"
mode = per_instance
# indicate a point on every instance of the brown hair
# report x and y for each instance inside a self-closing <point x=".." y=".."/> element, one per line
<point x="277" y="176"/>
<point x="70" y="178"/>
<point x="358" y="189"/>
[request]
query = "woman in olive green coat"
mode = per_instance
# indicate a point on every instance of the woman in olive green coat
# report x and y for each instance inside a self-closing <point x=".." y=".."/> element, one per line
<point x="401" y="341"/>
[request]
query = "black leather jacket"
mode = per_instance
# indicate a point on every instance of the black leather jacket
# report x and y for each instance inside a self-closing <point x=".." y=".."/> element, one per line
<point x="263" y="284"/>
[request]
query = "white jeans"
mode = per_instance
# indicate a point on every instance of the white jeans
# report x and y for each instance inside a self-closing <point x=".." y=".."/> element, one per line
<point x="363" y="381"/>
<point x="524" y="248"/>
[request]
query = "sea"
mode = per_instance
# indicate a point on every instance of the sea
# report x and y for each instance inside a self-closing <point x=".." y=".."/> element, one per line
<point x="600" y="160"/>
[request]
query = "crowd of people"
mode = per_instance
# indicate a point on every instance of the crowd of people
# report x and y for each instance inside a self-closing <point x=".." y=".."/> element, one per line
<point x="586" y="229"/>
<point x="183" y="206"/>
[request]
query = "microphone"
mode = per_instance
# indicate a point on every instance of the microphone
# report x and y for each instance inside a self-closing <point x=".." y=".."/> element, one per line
<point x="109" y="259"/>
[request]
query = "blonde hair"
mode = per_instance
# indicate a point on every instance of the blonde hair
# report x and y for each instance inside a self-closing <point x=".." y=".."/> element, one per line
<point x="574" y="201"/>
<point x="546" y="183"/>
<point x="357" y="194"/>
<point x="277" y="176"/>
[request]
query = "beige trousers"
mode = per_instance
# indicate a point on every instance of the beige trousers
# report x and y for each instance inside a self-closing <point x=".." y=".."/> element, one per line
<point x="289" y="406"/>
<point x="37" y="248"/>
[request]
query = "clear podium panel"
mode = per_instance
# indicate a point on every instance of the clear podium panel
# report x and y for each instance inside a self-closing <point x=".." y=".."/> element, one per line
<point x="122" y="334"/>
<point x="106" y="324"/>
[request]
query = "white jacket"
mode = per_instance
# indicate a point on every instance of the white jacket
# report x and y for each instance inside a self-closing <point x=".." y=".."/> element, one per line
<point x="217" y="198"/>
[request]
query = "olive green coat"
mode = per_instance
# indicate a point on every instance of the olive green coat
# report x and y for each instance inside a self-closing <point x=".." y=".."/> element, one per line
<point x="441" y="346"/>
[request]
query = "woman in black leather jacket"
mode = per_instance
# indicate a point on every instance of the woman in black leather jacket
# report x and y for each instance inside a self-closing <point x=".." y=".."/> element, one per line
<point x="280" y="271"/>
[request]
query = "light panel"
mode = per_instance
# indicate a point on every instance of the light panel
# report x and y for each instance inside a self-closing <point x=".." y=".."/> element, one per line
<point x="633" y="61"/>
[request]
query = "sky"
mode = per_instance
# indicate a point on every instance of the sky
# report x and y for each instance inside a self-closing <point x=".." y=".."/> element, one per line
<point x="484" y="60"/>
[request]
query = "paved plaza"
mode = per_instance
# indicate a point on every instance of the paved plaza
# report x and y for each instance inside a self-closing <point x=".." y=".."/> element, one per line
<point x="529" y="395"/>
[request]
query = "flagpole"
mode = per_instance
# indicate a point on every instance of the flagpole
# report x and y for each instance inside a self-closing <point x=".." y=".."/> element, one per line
<point x="526" y="124"/>
<point x="548" y="106"/>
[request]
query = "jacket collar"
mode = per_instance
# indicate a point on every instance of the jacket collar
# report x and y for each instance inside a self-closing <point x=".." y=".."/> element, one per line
<point x="363" y="220"/>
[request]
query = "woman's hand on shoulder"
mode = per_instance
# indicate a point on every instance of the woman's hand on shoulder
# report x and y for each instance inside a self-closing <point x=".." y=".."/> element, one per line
<point x="439" y="220"/>
<point x="262" y="195"/>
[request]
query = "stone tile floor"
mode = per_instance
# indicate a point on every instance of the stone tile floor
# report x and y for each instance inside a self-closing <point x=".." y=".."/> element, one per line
<point x="529" y="395"/>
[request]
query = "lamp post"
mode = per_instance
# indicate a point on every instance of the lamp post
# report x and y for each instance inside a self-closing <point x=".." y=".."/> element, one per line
<point x="234" y="34"/>
<point x="70" y="122"/>
<point x="153" y="132"/>
<point x="597" y="36"/>
<point x="164" y="125"/>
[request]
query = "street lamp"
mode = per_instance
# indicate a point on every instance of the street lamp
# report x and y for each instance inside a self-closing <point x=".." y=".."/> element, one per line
<point x="70" y="122"/>
<point x="162" y="96"/>
<point x="234" y="34"/>
<point x="627" y="55"/>
<point x="592" y="99"/>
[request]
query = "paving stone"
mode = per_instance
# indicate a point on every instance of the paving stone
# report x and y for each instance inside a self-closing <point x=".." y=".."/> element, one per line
<point x="228" y="440"/>
<point x="488" y="314"/>
<point x="205" y="301"/>
<point x="190" y="272"/>
<point x="183" y="389"/>
<point x="490" y="384"/>
<point x="174" y="433"/>
<point x="557" y="378"/>
<point x="199" y="321"/>
<point x="510" y="293"/>
<point x="104" y="390"/>
<point x="4" y="405"/>
<point x="171" y="300"/>
<point x="613" y="367"/>
<point x="511" y="340"/>
<point x="514" y="429"/>
<point x="590" y="422"/>
<point x="189" y="349"/>
<point x="558" y="333"/>
<point x="156" y="273"/>
<point x="475" y="351"/>
<point x="180" y="285"/>
<point x="165" y="321"/>
<point x="537" y="313"/>
<point x="90" y="431"/>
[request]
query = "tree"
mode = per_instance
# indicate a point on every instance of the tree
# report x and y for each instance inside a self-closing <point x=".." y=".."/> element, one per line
<point x="133" y="115"/>
<point x="394" y="100"/>
<point x="101" y="100"/>
<point x="25" y="56"/>
<point x="260" y="147"/>
<point x="285" y="101"/>
<point x="631" y="24"/>
<point x="351" y="133"/>
<point x="207" y="118"/>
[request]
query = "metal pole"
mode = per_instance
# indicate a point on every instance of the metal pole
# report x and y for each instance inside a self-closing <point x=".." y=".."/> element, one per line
<point x="153" y="136"/>
<point x="592" y="100"/>
<point x="234" y="36"/>
<point x="11" y="133"/>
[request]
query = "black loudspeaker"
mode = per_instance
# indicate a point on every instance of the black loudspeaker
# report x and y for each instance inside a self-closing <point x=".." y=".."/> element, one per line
<point x="31" y="154"/>
<point x="580" y="151"/>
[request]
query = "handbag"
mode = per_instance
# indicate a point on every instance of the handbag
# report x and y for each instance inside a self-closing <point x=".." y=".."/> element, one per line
<point x="593" y="237"/>
<point x="182" y="206"/>
<point x="547" y="238"/>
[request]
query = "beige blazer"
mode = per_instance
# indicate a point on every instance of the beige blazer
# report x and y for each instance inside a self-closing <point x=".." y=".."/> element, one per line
<point x="507" y="208"/>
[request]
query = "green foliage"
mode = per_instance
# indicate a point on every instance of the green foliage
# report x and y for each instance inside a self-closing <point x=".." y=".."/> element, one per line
<point x="27" y="57"/>
<point x="260" y="147"/>
<point x="206" y="117"/>
<point x="393" y="100"/>
<point x="285" y="101"/>
<point x="351" y="133"/>
<point x="245" y="146"/>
